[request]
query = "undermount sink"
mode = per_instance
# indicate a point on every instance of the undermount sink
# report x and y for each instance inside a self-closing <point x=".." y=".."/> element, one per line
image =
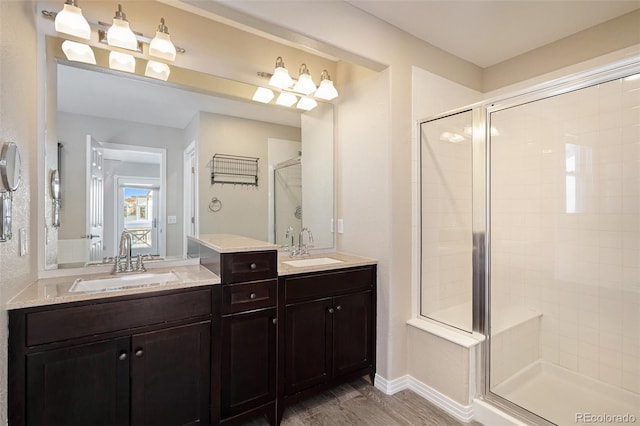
<point x="123" y="282"/>
<point x="316" y="261"/>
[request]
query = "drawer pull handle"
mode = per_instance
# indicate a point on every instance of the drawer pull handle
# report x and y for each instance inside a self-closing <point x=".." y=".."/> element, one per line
<point x="139" y="353"/>
<point x="253" y="266"/>
<point x="274" y="321"/>
<point x="122" y="356"/>
<point x="252" y="296"/>
<point x="330" y="310"/>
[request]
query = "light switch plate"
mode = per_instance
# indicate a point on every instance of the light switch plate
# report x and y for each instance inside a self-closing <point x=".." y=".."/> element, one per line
<point x="24" y="246"/>
<point x="171" y="220"/>
<point x="340" y="226"/>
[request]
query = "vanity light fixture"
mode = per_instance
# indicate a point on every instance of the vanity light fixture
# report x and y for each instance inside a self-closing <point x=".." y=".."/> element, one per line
<point x="78" y="52"/>
<point x="157" y="70"/>
<point x="306" y="103"/>
<point x="280" y="78"/>
<point x="70" y="21"/>
<point x="286" y="99"/>
<point x="161" y="45"/>
<point x="122" y="61"/>
<point x="305" y="84"/>
<point x="326" y="90"/>
<point x="119" y="34"/>
<point x="263" y="95"/>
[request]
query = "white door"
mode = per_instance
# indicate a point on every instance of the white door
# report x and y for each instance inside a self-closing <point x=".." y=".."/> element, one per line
<point x="95" y="199"/>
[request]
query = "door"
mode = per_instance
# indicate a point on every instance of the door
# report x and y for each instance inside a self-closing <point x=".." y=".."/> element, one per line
<point x="80" y="385"/>
<point x="307" y="344"/>
<point x="352" y="322"/>
<point x="95" y="199"/>
<point x="170" y="376"/>
<point x="249" y="361"/>
<point x="138" y="207"/>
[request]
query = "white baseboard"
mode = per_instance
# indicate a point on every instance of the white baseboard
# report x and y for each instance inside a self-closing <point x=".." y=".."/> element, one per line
<point x="464" y="413"/>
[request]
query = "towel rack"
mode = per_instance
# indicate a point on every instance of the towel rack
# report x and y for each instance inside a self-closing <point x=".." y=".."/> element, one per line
<point x="234" y="169"/>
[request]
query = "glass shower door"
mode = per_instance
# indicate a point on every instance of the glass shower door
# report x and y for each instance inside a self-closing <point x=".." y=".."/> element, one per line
<point x="565" y="254"/>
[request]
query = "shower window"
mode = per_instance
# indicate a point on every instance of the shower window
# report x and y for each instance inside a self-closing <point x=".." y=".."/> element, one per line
<point x="446" y="220"/>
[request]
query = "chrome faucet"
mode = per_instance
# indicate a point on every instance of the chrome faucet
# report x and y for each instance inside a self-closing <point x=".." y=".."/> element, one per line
<point x="303" y="249"/>
<point x="124" y="256"/>
<point x="291" y="247"/>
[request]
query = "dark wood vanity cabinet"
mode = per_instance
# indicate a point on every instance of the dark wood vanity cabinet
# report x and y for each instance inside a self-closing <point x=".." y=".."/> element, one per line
<point x="248" y="335"/>
<point x="327" y="329"/>
<point x="139" y="360"/>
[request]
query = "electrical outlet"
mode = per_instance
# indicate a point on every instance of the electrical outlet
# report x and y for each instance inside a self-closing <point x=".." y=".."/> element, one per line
<point x="22" y="241"/>
<point x="340" y="226"/>
<point x="171" y="220"/>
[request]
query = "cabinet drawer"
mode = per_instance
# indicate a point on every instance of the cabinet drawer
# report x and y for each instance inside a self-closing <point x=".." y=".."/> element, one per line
<point x="249" y="266"/>
<point x="328" y="284"/>
<point x="249" y="296"/>
<point x="90" y="319"/>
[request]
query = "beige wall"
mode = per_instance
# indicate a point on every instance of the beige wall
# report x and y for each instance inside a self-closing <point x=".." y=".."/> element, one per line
<point x="18" y="124"/>
<point x="244" y="207"/>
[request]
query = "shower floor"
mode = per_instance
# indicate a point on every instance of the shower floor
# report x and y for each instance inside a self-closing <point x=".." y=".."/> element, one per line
<point x="560" y="396"/>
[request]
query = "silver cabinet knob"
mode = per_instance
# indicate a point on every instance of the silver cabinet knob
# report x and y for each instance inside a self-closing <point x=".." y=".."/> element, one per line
<point x="330" y="310"/>
<point x="122" y="356"/>
<point x="274" y="321"/>
<point x="139" y="353"/>
<point x="253" y="266"/>
<point x="339" y="307"/>
<point x="252" y="296"/>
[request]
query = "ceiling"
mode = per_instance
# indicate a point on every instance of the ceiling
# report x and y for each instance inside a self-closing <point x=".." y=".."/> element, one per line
<point x="487" y="32"/>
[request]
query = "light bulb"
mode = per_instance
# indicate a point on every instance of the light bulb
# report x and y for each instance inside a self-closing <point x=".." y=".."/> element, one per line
<point x="119" y="34"/>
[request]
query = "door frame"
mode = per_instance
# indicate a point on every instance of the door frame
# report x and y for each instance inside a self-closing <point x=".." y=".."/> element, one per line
<point x="135" y="181"/>
<point x="190" y="194"/>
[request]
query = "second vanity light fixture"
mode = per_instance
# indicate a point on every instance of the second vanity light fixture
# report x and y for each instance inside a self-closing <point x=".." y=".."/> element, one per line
<point x="70" y="21"/>
<point x="290" y="89"/>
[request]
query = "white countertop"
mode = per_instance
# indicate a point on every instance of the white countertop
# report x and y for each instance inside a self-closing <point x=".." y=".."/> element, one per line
<point x="347" y="261"/>
<point x="229" y="243"/>
<point x="50" y="291"/>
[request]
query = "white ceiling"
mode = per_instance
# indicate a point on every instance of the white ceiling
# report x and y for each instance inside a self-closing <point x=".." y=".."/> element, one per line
<point x="487" y="32"/>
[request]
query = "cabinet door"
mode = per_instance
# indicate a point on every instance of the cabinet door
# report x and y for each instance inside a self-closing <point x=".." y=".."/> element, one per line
<point x="80" y="385"/>
<point x="352" y="332"/>
<point x="308" y="345"/>
<point x="170" y="376"/>
<point x="248" y="360"/>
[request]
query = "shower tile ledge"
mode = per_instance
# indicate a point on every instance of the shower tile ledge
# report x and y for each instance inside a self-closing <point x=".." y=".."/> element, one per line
<point x="460" y="338"/>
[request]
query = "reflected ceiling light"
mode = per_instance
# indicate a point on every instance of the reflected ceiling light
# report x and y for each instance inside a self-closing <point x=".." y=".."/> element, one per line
<point x="78" y="52"/>
<point x="161" y="45"/>
<point x="70" y="21"/>
<point x="326" y="90"/>
<point x="122" y="62"/>
<point x="451" y="137"/>
<point x="306" y="103"/>
<point x="119" y="34"/>
<point x="280" y="78"/>
<point x="263" y="95"/>
<point x="286" y="99"/>
<point x="157" y="70"/>
<point x="305" y="84"/>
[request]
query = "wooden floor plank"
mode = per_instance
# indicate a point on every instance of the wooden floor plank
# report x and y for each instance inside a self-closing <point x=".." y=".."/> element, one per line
<point x="358" y="403"/>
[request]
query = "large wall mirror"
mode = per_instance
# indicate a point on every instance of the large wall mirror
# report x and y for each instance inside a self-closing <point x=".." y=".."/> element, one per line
<point x="137" y="154"/>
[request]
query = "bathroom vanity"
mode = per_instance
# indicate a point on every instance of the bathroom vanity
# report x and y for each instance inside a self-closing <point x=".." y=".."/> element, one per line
<point x="243" y="333"/>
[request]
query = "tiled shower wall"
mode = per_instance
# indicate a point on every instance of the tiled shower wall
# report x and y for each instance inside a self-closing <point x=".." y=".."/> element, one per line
<point x="565" y="222"/>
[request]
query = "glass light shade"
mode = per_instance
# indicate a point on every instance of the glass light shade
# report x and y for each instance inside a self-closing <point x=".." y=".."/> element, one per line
<point x="157" y="70"/>
<point x="326" y="91"/>
<point x="263" y="95"/>
<point x="281" y="78"/>
<point x="305" y="85"/>
<point x="78" y="52"/>
<point x="122" y="62"/>
<point x="120" y="35"/>
<point x="162" y="47"/>
<point x="286" y="99"/>
<point x="70" y="21"/>
<point x="307" y="103"/>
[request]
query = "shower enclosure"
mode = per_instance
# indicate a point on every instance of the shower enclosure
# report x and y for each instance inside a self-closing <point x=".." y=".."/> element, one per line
<point x="530" y="235"/>
<point x="287" y="203"/>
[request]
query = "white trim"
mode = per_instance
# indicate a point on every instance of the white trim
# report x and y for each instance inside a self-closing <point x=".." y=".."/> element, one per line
<point x="190" y="198"/>
<point x="466" y="340"/>
<point x="464" y="413"/>
<point x="487" y="414"/>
